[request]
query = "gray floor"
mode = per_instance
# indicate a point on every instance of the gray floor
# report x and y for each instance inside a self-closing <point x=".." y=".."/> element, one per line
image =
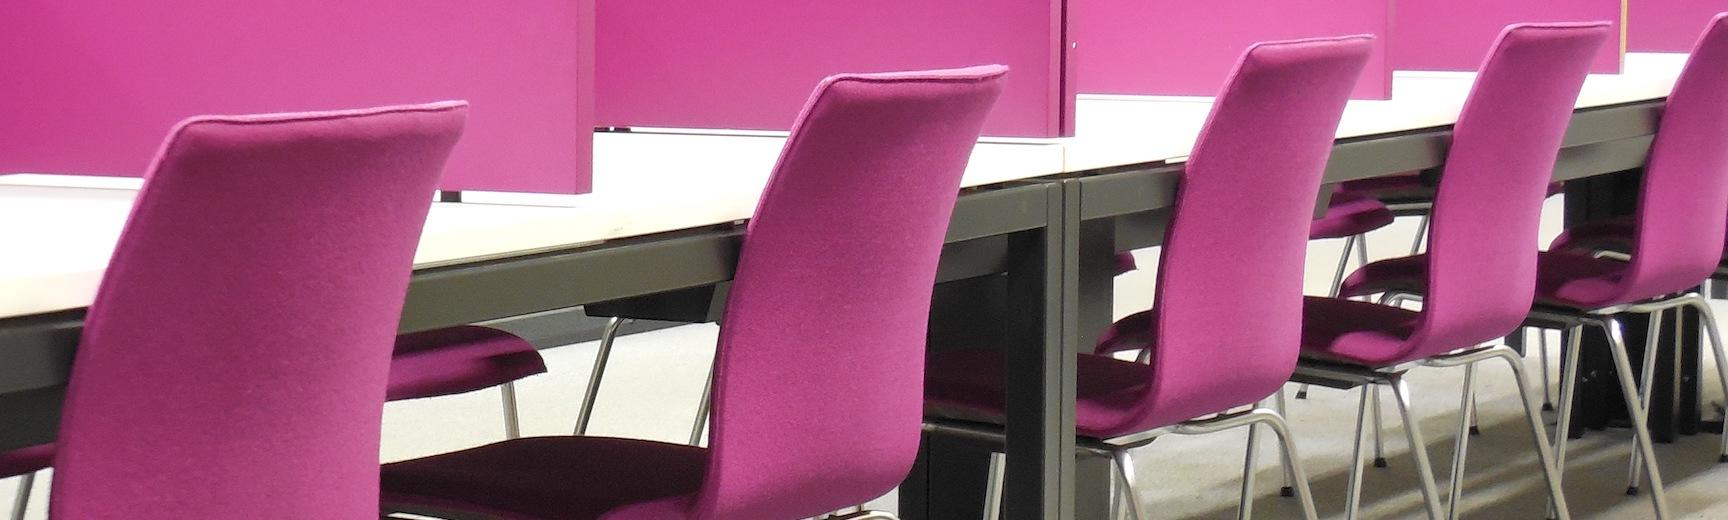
<point x="656" y="377"/>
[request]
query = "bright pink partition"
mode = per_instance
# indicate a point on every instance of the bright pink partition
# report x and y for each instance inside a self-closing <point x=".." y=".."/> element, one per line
<point x="1187" y="47"/>
<point x="92" y="86"/>
<point x="750" y="64"/>
<point x="1456" y="34"/>
<point x="1668" y="25"/>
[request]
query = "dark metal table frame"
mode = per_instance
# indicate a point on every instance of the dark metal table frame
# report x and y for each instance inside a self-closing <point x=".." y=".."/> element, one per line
<point x="1047" y="243"/>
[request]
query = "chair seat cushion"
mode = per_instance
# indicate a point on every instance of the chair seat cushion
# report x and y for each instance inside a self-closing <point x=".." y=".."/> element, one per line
<point x="1615" y="234"/>
<point x="1564" y="278"/>
<point x="562" y="478"/>
<point x="1133" y="332"/>
<point x="1355" y="332"/>
<point x="1350" y="214"/>
<point x="968" y="385"/>
<point x="1125" y="263"/>
<point x="1401" y="187"/>
<point x="457" y="360"/>
<point x="26" y="460"/>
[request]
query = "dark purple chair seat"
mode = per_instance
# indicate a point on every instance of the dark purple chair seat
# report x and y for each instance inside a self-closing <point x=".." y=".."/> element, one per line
<point x="1570" y="278"/>
<point x="1357" y="333"/>
<point x="458" y="360"/>
<point x="1350" y="214"/>
<point x="538" y="478"/>
<point x="968" y="385"/>
<point x="26" y="460"/>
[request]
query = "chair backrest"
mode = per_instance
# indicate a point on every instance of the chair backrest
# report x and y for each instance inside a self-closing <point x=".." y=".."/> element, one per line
<point x="1679" y="239"/>
<point x="1488" y="208"/>
<point x="235" y="358"/>
<point x="818" y="382"/>
<point x="1229" y="292"/>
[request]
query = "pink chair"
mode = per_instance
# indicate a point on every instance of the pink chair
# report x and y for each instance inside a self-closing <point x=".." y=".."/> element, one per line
<point x="864" y="189"/>
<point x="1265" y="147"/>
<point x="1481" y="271"/>
<point x="237" y="353"/>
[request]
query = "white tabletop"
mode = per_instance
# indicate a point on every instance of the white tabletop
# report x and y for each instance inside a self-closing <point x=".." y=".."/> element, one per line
<point x="56" y="232"/>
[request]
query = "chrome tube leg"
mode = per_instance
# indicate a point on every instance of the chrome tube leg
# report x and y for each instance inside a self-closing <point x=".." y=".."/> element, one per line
<point x="1475" y="418"/>
<point x="1646" y="377"/>
<point x="1542" y="355"/>
<point x="1125" y="472"/>
<point x="1361" y="251"/>
<point x="1568" y="389"/>
<point x="1418" y="447"/>
<point x="1289" y="473"/>
<point x="1538" y="435"/>
<point x="1293" y="461"/>
<point x="1343" y="264"/>
<point x="1245" y="502"/>
<point x="1640" y="428"/>
<point x="702" y="408"/>
<point x="21" y="504"/>
<point x="1358" y="457"/>
<point x="512" y="415"/>
<point x="607" y="336"/>
<point x="1461" y="447"/>
<point x="993" y="489"/>
<point x="1379" y="427"/>
<point x="1709" y="319"/>
<point x="1421" y="235"/>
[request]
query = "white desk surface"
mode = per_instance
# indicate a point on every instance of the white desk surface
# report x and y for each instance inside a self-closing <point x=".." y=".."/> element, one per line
<point x="56" y="232"/>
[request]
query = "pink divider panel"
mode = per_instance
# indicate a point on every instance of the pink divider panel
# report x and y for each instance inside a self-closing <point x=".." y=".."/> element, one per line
<point x="1187" y="47"/>
<point x="93" y="86"/>
<point x="1456" y="34"/>
<point x="1668" y="25"/>
<point x="750" y="64"/>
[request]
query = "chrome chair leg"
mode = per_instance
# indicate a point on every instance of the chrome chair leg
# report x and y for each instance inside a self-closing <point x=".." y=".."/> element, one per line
<point x="1709" y="318"/>
<point x="1640" y="427"/>
<point x="1646" y="377"/>
<point x="1245" y="501"/>
<point x="1379" y="427"/>
<point x="1293" y="461"/>
<point x="1125" y="472"/>
<point x="21" y="504"/>
<point x="512" y="415"/>
<point x="1421" y="235"/>
<point x="1418" y="447"/>
<point x="1358" y="458"/>
<point x="607" y="336"/>
<point x="1542" y="355"/>
<point x="993" y="488"/>
<point x="1289" y="489"/>
<point x="1461" y="446"/>
<point x="1568" y="390"/>
<point x="1538" y="436"/>
<point x="701" y="426"/>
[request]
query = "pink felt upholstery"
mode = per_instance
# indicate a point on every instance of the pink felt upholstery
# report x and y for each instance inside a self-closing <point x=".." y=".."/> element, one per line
<point x="236" y="355"/>
<point x="863" y="190"/>
<point x="26" y="460"/>
<point x="457" y="360"/>
<point x="1265" y="146"/>
<point x="1349" y="214"/>
<point x="1125" y="263"/>
<point x="1481" y="270"/>
<point x="967" y="385"/>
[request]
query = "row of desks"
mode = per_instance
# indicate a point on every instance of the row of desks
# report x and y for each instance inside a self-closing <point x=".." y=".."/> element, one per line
<point x="1040" y="217"/>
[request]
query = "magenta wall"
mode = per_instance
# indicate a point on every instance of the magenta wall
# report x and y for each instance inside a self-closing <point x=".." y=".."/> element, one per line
<point x="1187" y="47"/>
<point x="1668" y="25"/>
<point x="750" y="64"/>
<point x="1456" y="34"/>
<point x="93" y="86"/>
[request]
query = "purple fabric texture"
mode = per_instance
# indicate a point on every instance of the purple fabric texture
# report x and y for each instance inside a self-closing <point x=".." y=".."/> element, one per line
<point x="1677" y="231"/>
<point x="457" y="360"/>
<point x="1348" y="214"/>
<point x="863" y="191"/>
<point x="235" y="358"/>
<point x="1481" y="270"/>
<point x="1264" y="146"/>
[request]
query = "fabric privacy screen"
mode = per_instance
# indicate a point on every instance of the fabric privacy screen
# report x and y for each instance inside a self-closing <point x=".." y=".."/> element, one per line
<point x="1187" y="47"/>
<point x="94" y="84"/>
<point x="750" y="64"/>
<point x="1668" y="25"/>
<point x="1455" y="34"/>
